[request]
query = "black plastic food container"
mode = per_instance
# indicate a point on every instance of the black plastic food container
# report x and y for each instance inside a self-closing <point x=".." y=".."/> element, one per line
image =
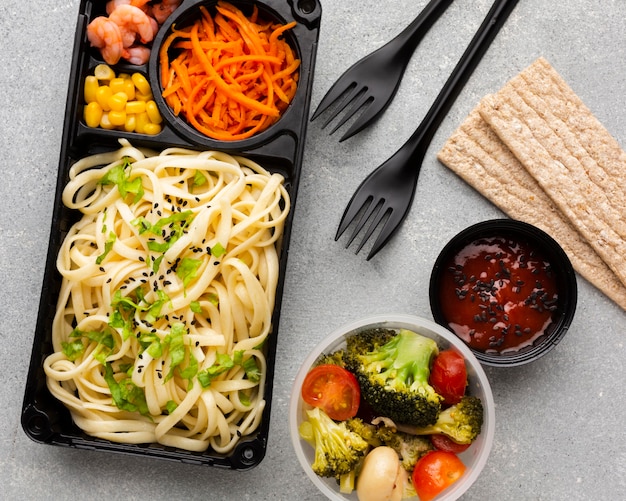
<point x="278" y="149"/>
<point x="560" y="264"/>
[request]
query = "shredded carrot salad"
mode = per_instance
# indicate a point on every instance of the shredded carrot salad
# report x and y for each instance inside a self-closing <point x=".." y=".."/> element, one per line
<point x="232" y="75"/>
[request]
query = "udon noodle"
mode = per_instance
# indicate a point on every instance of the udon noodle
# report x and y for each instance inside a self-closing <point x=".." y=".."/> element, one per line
<point x="168" y="288"/>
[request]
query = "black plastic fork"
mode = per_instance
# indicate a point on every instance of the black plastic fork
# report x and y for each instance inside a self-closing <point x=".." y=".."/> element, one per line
<point x="387" y="193"/>
<point x="370" y="84"/>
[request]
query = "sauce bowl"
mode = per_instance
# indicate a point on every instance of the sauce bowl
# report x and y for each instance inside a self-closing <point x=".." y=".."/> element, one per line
<point x="507" y="289"/>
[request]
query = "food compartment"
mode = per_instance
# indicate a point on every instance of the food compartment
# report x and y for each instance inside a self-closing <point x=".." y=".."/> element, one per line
<point x="44" y="418"/>
<point x="280" y="138"/>
<point x="254" y="52"/>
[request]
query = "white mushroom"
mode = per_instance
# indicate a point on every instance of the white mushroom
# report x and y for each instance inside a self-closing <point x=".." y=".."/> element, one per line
<point x="382" y="477"/>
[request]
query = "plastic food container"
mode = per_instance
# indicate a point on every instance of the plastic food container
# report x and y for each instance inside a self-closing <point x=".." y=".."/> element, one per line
<point x="560" y="269"/>
<point x="278" y="149"/>
<point x="474" y="458"/>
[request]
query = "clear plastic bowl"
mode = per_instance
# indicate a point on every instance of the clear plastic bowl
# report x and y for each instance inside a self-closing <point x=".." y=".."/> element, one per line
<point x="474" y="458"/>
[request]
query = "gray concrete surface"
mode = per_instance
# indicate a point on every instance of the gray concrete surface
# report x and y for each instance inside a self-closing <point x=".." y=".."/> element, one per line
<point x="560" y="432"/>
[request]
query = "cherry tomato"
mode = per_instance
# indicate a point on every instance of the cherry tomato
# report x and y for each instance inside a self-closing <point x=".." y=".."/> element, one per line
<point x="334" y="390"/>
<point x="436" y="471"/>
<point x="445" y="443"/>
<point x="448" y="376"/>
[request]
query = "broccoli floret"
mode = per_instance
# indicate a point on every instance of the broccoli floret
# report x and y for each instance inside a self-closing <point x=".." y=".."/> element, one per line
<point x="369" y="340"/>
<point x="334" y="358"/>
<point x="338" y="450"/>
<point x="461" y="422"/>
<point x="368" y="432"/>
<point x="394" y="376"/>
<point x="410" y="448"/>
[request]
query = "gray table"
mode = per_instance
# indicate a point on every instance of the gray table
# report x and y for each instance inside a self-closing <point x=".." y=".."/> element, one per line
<point x="560" y="431"/>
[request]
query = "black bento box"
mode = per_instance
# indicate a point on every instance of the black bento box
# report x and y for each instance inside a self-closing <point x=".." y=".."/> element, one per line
<point x="278" y="149"/>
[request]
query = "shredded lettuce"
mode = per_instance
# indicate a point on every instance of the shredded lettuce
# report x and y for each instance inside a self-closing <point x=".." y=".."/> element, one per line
<point x="218" y="250"/>
<point x="126" y="395"/>
<point x="75" y="347"/>
<point x="125" y="307"/>
<point x="170" y="406"/>
<point x="225" y="362"/>
<point x="119" y="175"/>
<point x="199" y="178"/>
<point x="176" y="345"/>
<point x="222" y="364"/>
<point x="187" y="270"/>
<point x="108" y="245"/>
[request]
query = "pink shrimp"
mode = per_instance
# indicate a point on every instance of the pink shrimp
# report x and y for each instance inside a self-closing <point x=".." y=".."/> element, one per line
<point x="106" y="36"/>
<point x="113" y="4"/>
<point x="162" y="10"/>
<point x="132" y="22"/>
<point x="136" y="54"/>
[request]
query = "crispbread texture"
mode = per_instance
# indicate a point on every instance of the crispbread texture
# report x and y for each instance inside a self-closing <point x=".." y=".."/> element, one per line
<point x="568" y="151"/>
<point x="478" y="156"/>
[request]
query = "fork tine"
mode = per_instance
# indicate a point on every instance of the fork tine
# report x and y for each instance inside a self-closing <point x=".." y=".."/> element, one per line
<point x="368" y="115"/>
<point x="353" y="208"/>
<point x="383" y="211"/>
<point x="371" y="211"/>
<point x="338" y="89"/>
<point x="355" y="94"/>
<point x="363" y="100"/>
<point x="389" y="228"/>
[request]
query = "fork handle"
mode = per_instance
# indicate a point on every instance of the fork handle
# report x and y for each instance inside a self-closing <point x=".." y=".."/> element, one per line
<point x="410" y="37"/>
<point x="416" y="146"/>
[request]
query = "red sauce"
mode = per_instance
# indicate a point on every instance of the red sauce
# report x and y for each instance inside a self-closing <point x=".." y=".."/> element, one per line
<point x="498" y="294"/>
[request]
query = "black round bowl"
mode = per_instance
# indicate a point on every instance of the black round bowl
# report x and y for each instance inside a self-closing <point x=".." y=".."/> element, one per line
<point x="277" y="11"/>
<point x="561" y="268"/>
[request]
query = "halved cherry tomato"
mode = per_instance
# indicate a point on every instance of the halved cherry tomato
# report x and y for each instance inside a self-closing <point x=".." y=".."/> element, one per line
<point x="448" y="376"/>
<point x="445" y="443"/>
<point x="436" y="471"/>
<point x="333" y="389"/>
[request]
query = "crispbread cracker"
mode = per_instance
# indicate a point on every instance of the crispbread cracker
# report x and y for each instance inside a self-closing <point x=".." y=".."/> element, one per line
<point x="571" y="155"/>
<point x="478" y="156"/>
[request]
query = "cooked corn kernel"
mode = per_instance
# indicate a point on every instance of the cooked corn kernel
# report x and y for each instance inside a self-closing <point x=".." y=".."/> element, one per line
<point x="129" y="88"/>
<point x="104" y="72"/>
<point x="117" y="118"/>
<point x="103" y="94"/>
<point x="153" y="112"/>
<point x="151" y="129"/>
<point x="135" y="107"/>
<point x="92" y="114"/>
<point x="117" y="85"/>
<point x="142" y="120"/>
<point x="90" y="89"/>
<point x="131" y="123"/>
<point x="117" y="102"/>
<point x="141" y="83"/>
<point x="139" y="96"/>
<point x="105" y="122"/>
